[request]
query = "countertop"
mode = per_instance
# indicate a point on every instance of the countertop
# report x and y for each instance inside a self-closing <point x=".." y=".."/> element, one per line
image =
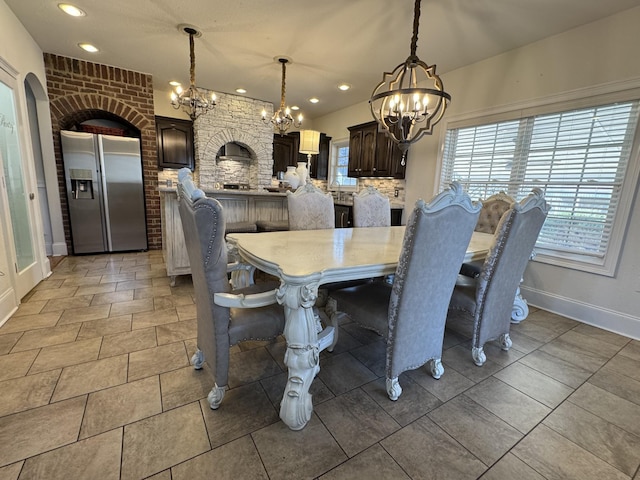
<point x="227" y="192"/>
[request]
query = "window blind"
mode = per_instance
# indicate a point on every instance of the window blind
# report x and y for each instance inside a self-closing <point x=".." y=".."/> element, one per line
<point x="577" y="157"/>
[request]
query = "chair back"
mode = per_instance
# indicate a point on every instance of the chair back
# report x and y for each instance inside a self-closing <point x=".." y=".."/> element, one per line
<point x="504" y="266"/>
<point x="436" y="239"/>
<point x="371" y="208"/>
<point x="203" y="225"/>
<point x="310" y="209"/>
<point x="492" y="210"/>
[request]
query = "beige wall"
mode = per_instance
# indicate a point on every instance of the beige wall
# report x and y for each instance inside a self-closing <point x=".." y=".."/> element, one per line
<point x="595" y="54"/>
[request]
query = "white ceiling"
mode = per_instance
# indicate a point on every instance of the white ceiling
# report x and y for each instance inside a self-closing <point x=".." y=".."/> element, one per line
<point x="328" y="41"/>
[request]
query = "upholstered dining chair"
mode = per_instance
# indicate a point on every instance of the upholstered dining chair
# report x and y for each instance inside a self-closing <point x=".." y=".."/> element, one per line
<point x="225" y="317"/>
<point x="371" y="208"/>
<point x="488" y="300"/>
<point x="493" y="208"/>
<point x="411" y="313"/>
<point x="310" y="209"/>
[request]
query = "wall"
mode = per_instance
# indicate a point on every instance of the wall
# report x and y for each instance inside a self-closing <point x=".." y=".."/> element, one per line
<point x="80" y="90"/>
<point x="595" y="54"/>
<point x="234" y="119"/>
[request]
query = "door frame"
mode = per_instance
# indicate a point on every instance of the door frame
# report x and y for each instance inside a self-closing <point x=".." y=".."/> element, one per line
<point x="25" y="280"/>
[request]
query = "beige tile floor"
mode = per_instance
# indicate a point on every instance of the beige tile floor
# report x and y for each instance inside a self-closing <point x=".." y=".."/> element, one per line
<point x="95" y="383"/>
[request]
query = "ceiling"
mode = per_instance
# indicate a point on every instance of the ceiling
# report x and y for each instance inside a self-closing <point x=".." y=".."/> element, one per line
<point x="328" y="41"/>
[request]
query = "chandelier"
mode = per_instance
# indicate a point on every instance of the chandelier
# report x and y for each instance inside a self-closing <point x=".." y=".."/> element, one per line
<point x="282" y="119"/>
<point x="194" y="101"/>
<point x="404" y="110"/>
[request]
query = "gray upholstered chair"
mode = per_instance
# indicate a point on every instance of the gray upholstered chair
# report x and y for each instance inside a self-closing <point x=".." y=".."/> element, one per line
<point x="225" y="316"/>
<point x="371" y="208"/>
<point x="411" y="314"/>
<point x="489" y="298"/>
<point x="492" y="210"/>
<point x="310" y="209"/>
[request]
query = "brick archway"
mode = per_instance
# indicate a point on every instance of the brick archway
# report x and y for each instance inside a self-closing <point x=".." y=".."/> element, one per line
<point x="80" y="91"/>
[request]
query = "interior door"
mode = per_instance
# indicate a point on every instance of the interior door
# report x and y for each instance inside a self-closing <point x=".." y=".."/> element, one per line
<point x="19" y="200"/>
<point x="8" y="297"/>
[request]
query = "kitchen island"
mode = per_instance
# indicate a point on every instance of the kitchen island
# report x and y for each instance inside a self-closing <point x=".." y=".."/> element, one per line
<point x="239" y="206"/>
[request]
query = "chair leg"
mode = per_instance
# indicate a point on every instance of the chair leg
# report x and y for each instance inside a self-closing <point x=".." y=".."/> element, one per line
<point x="197" y="360"/>
<point x="505" y="341"/>
<point x="215" y="396"/>
<point x="394" y="390"/>
<point x="477" y="353"/>
<point x="436" y="368"/>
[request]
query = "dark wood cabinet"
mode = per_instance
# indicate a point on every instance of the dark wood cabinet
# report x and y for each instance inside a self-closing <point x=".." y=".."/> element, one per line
<point x="344" y="216"/>
<point x="372" y="153"/>
<point x="175" y="143"/>
<point x="285" y="153"/>
<point x="362" y="150"/>
<point x="320" y="162"/>
<point x="396" y="216"/>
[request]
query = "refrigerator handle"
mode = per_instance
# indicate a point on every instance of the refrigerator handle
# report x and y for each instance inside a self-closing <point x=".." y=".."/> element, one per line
<point x="105" y="195"/>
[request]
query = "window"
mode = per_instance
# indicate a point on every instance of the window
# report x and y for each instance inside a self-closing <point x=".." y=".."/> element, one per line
<point x="578" y="157"/>
<point x="340" y="166"/>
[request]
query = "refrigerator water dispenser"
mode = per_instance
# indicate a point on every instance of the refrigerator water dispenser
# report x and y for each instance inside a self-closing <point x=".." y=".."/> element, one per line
<point x="81" y="183"/>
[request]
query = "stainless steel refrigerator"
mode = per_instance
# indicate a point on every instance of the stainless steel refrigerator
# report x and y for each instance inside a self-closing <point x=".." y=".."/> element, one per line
<point x="105" y="192"/>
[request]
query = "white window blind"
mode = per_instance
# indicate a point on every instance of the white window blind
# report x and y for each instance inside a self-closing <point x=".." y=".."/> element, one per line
<point x="578" y="157"/>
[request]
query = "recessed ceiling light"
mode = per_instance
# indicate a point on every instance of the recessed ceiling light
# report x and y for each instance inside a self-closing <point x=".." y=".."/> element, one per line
<point x="314" y="100"/>
<point x="240" y="90"/>
<point x="344" y="87"/>
<point x="88" y="47"/>
<point x="71" y="10"/>
<point x="174" y="83"/>
<point x="295" y="107"/>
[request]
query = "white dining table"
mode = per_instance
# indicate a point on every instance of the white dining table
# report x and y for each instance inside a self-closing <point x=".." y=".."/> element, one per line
<point x="303" y="261"/>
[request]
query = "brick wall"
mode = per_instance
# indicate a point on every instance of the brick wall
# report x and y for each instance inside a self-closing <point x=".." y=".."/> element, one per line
<point x="79" y="91"/>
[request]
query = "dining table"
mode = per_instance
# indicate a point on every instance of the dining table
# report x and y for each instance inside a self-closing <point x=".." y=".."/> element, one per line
<point x="304" y="260"/>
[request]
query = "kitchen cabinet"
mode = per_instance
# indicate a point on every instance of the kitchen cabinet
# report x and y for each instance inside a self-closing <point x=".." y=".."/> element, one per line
<point x="285" y="153"/>
<point x="320" y="162"/>
<point x="344" y="216"/>
<point x="238" y="207"/>
<point x="175" y="143"/>
<point x="396" y="216"/>
<point x="362" y="150"/>
<point x="372" y="153"/>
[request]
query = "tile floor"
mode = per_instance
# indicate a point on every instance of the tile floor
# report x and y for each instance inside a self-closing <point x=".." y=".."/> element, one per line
<point x="95" y="383"/>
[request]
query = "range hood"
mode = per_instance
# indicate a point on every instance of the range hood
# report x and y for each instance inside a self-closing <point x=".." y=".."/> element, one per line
<point x="234" y="151"/>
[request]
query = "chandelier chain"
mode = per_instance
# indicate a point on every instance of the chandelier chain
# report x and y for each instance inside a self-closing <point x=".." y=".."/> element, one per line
<point x="192" y="50"/>
<point x="416" y="22"/>
<point x="283" y="89"/>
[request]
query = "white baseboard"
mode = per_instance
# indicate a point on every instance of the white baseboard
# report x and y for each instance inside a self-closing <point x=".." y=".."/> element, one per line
<point x="59" y="248"/>
<point x="7" y="306"/>
<point x="611" y="320"/>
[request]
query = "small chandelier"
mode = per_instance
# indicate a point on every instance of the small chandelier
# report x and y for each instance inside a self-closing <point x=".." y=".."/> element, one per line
<point x="194" y="101"/>
<point x="282" y="119"/>
<point x="403" y="110"/>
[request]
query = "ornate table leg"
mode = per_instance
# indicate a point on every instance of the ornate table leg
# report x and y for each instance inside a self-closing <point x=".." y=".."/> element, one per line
<point x="302" y="357"/>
